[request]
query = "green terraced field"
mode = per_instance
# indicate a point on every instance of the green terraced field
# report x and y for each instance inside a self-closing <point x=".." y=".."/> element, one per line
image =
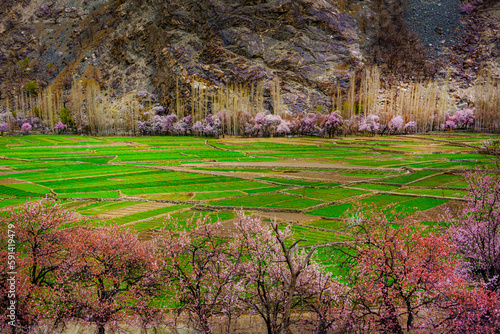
<point x="295" y="182"/>
<point x="435" y="192"/>
<point x="313" y="236"/>
<point x="329" y="195"/>
<point x="438" y="180"/>
<point x="405" y="204"/>
<point x="275" y="200"/>
<point x="113" y="172"/>
<point x="407" y="178"/>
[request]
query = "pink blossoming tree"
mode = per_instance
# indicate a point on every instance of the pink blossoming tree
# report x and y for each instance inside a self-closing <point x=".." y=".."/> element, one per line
<point x="476" y="230"/>
<point x="332" y="123"/>
<point x="108" y="275"/>
<point x="38" y="236"/>
<point x="397" y="274"/>
<point x="26" y="128"/>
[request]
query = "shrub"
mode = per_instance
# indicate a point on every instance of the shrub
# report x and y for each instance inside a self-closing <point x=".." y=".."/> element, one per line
<point x="467" y="9"/>
<point x="24" y="64"/>
<point x="66" y="117"/>
<point x="142" y="94"/>
<point x="32" y="88"/>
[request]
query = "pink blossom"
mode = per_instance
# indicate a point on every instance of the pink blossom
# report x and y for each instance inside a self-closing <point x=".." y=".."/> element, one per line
<point x="396" y="124"/>
<point x="283" y="128"/>
<point x="370" y="124"/>
<point x="410" y="127"/>
<point x="26" y="128"/>
<point x="477" y="229"/>
<point x="332" y="123"/>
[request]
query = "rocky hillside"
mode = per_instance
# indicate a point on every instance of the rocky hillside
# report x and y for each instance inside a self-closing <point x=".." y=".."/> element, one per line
<point x="153" y="45"/>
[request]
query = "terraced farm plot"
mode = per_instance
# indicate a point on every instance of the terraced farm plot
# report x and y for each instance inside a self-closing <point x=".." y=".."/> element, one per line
<point x="438" y="181"/>
<point x="435" y="192"/>
<point x="335" y="225"/>
<point x="405" y="204"/>
<point x="305" y="172"/>
<point x="381" y="187"/>
<point x="263" y="190"/>
<point x="99" y="194"/>
<point x="274" y="200"/>
<point x="216" y="194"/>
<point x="407" y="178"/>
<point x="14" y="202"/>
<point x="181" y="217"/>
<point x="30" y="187"/>
<point x="126" y="210"/>
<point x="237" y="184"/>
<point x="142" y="215"/>
<point x="95" y="208"/>
<point x="297" y="182"/>
<point x="314" y="236"/>
<point x="329" y="195"/>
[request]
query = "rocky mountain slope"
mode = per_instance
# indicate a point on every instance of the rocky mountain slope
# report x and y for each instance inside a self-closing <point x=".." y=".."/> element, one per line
<point x="154" y="45"/>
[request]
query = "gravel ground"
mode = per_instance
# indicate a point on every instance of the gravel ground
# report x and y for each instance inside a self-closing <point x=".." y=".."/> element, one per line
<point x="437" y="22"/>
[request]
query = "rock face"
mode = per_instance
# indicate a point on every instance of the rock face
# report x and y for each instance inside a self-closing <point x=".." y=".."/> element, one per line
<point x="308" y="44"/>
<point x="157" y="45"/>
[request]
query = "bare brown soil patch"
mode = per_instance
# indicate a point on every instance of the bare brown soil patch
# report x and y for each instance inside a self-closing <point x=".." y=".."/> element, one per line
<point x="23" y="171"/>
<point x="147" y="206"/>
<point x="10" y="181"/>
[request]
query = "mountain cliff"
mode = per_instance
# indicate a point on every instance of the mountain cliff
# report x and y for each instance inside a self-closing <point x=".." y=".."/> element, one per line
<point x="158" y="45"/>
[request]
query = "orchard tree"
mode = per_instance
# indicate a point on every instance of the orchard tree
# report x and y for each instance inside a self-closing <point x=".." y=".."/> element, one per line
<point x="369" y="124"/>
<point x="397" y="273"/>
<point x="332" y="123"/>
<point x="215" y="276"/>
<point x="279" y="279"/>
<point x="476" y="230"/>
<point x="201" y="271"/>
<point x="108" y="276"/>
<point x="396" y="124"/>
<point x="469" y="310"/>
<point x="38" y="237"/>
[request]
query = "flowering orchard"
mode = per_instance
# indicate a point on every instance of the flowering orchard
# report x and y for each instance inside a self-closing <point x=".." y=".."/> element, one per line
<point x="312" y="124"/>
<point x="146" y="117"/>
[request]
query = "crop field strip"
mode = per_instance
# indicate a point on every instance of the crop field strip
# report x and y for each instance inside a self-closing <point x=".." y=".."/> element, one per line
<point x="104" y="177"/>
